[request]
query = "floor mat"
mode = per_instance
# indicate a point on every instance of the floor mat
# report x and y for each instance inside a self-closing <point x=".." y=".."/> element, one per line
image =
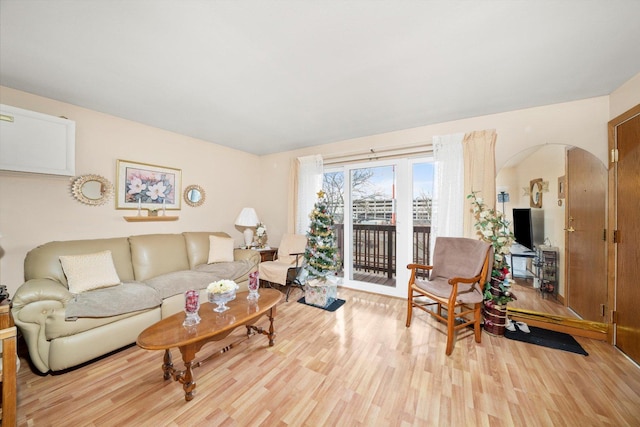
<point x="331" y="307"/>
<point x="547" y="338"/>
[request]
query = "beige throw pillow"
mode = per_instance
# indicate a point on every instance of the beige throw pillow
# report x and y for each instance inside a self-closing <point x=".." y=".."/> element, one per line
<point x="220" y="249"/>
<point x="89" y="271"/>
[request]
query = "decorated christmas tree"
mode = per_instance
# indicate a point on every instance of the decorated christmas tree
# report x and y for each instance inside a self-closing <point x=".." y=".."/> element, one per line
<point x="321" y="254"/>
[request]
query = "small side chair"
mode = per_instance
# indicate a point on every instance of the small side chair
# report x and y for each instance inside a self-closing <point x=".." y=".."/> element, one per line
<point x="454" y="283"/>
<point x="284" y="269"/>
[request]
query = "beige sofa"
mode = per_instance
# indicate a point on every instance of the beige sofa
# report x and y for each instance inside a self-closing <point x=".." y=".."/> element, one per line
<point x="155" y="271"/>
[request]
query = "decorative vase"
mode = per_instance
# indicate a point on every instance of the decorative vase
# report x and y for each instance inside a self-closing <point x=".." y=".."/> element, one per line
<point x="191" y="307"/>
<point x="254" y="284"/>
<point x="261" y="241"/>
<point x="221" y="300"/>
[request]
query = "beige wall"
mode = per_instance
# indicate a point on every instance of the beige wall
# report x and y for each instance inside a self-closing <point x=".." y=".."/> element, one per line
<point x="36" y="209"/>
<point x="580" y="123"/>
<point x="625" y="97"/>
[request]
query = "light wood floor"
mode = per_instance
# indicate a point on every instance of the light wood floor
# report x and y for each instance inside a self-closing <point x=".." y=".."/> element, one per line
<point x="358" y="366"/>
<point x="530" y="298"/>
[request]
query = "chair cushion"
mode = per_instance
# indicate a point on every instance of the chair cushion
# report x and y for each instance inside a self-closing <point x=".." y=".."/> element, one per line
<point x="220" y="249"/>
<point x="291" y="244"/>
<point x="458" y="257"/>
<point x="89" y="271"/>
<point x="275" y="271"/>
<point x="440" y="287"/>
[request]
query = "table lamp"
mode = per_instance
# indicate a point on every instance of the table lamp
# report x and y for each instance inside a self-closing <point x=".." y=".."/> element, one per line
<point x="248" y="219"/>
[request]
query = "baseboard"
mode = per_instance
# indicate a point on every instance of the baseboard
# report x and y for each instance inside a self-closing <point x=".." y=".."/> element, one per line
<point x="568" y="325"/>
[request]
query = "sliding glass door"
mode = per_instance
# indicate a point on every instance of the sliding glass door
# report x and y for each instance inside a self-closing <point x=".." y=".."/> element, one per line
<point x="382" y="212"/>
<point x="373" y="224"/>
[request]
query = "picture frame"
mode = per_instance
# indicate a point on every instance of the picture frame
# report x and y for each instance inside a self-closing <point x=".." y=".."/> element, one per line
<point x="147" y="186"/>
<point x="535" y="193"/>
<point x="561" y="187"/>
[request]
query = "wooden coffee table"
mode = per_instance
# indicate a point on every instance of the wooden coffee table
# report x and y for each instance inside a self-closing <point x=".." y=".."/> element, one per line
<point x="169" y="333"/>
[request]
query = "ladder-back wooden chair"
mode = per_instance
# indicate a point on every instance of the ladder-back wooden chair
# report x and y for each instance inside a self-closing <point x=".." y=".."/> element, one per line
<point x="454" y="283"/>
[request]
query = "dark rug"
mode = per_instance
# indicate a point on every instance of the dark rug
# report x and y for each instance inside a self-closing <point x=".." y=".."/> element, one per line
<point x="331" y="307"/>
<point x="547" y="338"/>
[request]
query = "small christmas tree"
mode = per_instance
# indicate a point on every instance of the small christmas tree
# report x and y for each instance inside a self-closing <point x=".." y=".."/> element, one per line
<point x="321" y="254"/>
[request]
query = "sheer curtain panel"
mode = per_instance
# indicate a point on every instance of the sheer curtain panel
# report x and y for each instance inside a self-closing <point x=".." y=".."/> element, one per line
<point x="308" y="183"/>
<point x="448" y="192"/>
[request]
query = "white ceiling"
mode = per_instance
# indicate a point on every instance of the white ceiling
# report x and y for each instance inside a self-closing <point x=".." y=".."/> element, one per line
<point x="266" y="76"/>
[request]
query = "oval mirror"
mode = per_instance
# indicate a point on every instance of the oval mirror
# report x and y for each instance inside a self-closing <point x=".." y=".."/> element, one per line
<point x="194" y="195"/>
<point x="93" y="190"/>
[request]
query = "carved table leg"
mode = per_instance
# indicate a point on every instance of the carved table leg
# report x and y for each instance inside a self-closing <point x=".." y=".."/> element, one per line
<point x="186" y="377"/>
<point x="167" y="366"/>
<point x="272" y="334"/>
<point x="188" y="384"/>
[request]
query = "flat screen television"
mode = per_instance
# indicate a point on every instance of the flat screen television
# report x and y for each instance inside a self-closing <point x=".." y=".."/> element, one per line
<point x="528" y="227"/>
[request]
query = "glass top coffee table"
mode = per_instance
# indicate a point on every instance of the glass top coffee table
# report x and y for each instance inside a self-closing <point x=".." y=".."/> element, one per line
<point x="169" y="333"/>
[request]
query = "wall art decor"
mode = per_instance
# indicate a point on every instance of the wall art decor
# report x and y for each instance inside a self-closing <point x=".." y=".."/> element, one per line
<point x="145" y="186"/>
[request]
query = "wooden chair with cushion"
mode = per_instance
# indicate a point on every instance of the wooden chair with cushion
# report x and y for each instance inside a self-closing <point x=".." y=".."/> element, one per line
<point x="454" y="283"/>
<point x="285" y="267"/>
<point x="9" y="365"/>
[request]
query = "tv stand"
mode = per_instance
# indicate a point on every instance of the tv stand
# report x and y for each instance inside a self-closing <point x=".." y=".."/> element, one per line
<point x="518" y="252"/>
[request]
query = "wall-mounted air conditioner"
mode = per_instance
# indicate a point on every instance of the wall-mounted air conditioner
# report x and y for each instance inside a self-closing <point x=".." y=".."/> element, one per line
<point x="36" y="142"/>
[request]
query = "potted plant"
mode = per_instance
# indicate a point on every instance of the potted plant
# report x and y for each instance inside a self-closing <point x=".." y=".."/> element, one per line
<point x="493" y="228"/>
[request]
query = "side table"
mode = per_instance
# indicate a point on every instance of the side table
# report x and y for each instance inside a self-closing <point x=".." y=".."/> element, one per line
<point x="268" y="254"/>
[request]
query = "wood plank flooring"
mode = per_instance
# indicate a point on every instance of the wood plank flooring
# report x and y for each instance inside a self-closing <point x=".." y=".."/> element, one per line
<point x="358" y="366"/>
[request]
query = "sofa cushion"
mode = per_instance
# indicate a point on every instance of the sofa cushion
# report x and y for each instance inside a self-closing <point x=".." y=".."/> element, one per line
<point x="56" y="326"/>
<point x="220" y="249"/>
<point x="89" y="271"/>
<point x="157" y="254"/>
<point x="127" y="298"/>
<point x="179" y="282"/>
<point x="198" y="245"/>
<point x="44" y="261"/>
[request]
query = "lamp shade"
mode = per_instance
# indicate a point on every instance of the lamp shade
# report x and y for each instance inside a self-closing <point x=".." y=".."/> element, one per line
<point x="247" y="218"/>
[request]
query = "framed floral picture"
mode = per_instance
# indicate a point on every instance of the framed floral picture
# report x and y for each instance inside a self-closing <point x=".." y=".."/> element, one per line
<point x="145" y="186"/>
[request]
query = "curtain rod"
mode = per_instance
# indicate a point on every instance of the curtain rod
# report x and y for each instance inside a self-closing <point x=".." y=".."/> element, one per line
<point x="380" y="153"/>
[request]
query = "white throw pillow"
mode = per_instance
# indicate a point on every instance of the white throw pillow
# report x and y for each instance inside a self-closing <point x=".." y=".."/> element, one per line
<point x="220" y="249"/>
<point x="89" y="271"/>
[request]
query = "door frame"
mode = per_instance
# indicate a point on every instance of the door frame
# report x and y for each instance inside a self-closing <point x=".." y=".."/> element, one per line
<point x="612" y="217"/>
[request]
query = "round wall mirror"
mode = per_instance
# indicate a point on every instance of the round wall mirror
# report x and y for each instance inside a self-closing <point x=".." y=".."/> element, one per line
<point x="91" y="190"/>
<point x="194" y="195"/>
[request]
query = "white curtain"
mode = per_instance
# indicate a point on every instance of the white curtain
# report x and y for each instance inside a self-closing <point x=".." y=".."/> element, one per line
<point x="447" y="217"/>
<point x="309" y="183"/>
<point x="479" y="173"/>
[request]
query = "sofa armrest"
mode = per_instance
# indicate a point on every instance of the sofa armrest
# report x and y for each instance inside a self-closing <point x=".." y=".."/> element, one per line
<point x="40" y="290"/>
<point x="248" y="254"/>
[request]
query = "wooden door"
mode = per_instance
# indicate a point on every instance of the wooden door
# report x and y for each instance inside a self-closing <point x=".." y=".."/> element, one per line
<point x="626" y="135"/>
<point x="586" y="245"/>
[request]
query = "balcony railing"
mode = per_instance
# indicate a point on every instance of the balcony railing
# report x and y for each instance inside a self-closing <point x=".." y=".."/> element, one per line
<point x="374" y="247"/>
